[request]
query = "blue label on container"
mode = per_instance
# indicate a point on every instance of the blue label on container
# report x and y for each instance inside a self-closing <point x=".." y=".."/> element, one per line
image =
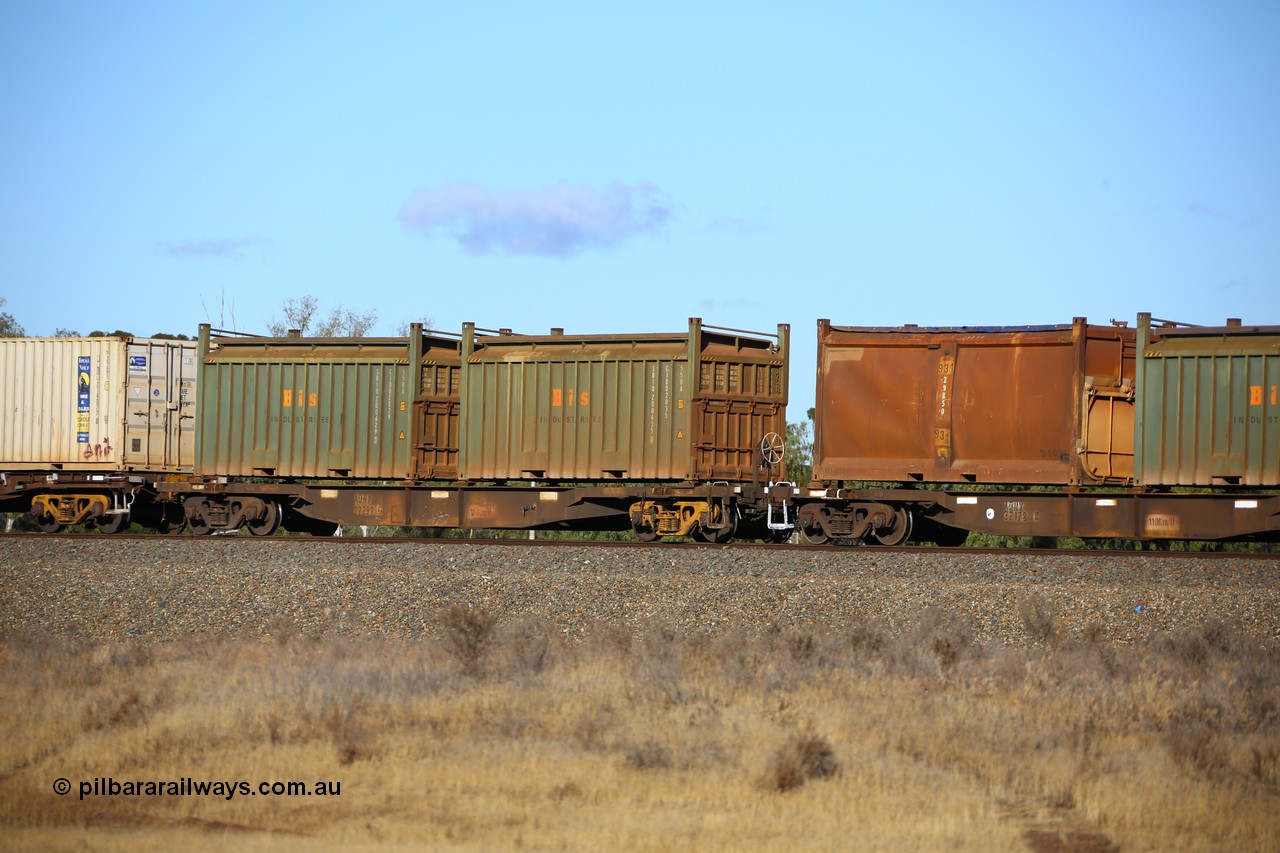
<point x="137" y="362"/>
<point x="83" y="376"/>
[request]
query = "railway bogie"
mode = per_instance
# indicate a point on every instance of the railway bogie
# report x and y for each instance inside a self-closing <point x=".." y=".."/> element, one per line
<point x="106" y="503"/>
<point x="206" y="513"/>
<point x="706" y="519"/>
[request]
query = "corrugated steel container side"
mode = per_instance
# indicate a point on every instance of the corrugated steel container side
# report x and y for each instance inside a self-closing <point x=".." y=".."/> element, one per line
<point x="63" y="403"/>
<point x="1031" y="404"/>
<point x="1208" y="412"/>
<point x="97" y="404"/>
<point x="613" y="407"/>
<point x="317" y="407"/>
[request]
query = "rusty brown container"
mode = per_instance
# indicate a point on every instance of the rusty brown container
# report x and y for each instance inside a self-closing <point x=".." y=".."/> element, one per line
<point x="690" y="406"/>
<point x="1209" y="404"/>
<point x="1027" y="404"/>
<point x="360" y="408"/>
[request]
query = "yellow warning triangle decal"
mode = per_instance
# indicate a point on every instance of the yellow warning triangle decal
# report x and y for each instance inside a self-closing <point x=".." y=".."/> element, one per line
<point x="402" y="435"/>
<point x="679" y="433"/>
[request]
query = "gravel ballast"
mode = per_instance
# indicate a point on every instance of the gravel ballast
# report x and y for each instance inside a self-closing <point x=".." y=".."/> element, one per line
<point x="168" y="588"/>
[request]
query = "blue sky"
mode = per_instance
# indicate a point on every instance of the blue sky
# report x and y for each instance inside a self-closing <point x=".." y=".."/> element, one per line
<point x="622" y="169"/>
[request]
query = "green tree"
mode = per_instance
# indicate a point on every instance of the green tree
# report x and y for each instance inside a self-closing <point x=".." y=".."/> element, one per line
<point x="9" y="327"/>
<point x="303" y="314"/>
<point x="799" y="451"/>
<point x="403" y="329"/>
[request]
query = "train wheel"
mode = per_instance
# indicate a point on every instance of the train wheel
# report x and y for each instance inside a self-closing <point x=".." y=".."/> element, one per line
<point x="269" y="522"/>
<point x="112" y="522"/>
<point x="714" y="535"/>
<point x="815" y="535"/>
<point x="48" y="524"/>
<point x="197" y="526"/>
<point x="810" y="526"/>
<point x="898" y="532"/>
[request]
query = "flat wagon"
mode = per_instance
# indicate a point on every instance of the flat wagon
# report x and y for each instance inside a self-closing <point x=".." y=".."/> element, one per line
<point x="1078" y="430"/>
<point x="487" y="429"/>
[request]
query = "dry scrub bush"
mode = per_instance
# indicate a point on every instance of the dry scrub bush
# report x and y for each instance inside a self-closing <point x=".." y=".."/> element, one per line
<point x="1038" y="619"/>
<point x="935" y="645"/>
<point x="658" y="663"/>
<point x="650" y="755"/>
<point x="469" y="633"/>
<point x="527" y="647"/>
<point x="803" y="757"/>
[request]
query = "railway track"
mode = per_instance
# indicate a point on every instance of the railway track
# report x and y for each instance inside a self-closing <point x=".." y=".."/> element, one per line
<point x="357" y="541"/>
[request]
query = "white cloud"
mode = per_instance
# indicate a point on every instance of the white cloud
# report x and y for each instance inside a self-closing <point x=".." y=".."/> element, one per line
<point x="558" y="221"/>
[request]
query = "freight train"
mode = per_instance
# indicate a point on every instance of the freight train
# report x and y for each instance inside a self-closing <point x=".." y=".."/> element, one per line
<point x="1160" y="431"/>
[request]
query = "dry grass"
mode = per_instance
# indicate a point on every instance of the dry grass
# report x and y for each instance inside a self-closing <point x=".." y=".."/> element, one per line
<point x="501" y="734"/>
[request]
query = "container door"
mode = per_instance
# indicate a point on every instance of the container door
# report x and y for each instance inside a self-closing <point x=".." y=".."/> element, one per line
<point x="739" y="402"/>
<point x="1106" y="370"/>
<point x="159" y="416"/>
<point x="436" y="417"/>
<point x="1107" y="456"/>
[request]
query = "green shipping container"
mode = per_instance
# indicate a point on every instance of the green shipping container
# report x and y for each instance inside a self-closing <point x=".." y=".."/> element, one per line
<point x="360" y="408"/>
<point x="1209" y="409"/>
<point x="681" y="407"/>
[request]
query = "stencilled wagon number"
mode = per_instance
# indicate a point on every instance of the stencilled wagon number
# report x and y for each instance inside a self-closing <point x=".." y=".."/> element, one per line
<point x="1016" y="512"/>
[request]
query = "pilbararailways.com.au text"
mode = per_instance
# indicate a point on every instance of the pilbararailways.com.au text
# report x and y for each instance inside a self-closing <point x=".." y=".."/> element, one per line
<point x="188" y="787"/>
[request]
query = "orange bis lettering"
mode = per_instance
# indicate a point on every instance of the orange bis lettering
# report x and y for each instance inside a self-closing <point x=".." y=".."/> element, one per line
<point x="301" y="396"/>
<point x="576" y="398"/>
